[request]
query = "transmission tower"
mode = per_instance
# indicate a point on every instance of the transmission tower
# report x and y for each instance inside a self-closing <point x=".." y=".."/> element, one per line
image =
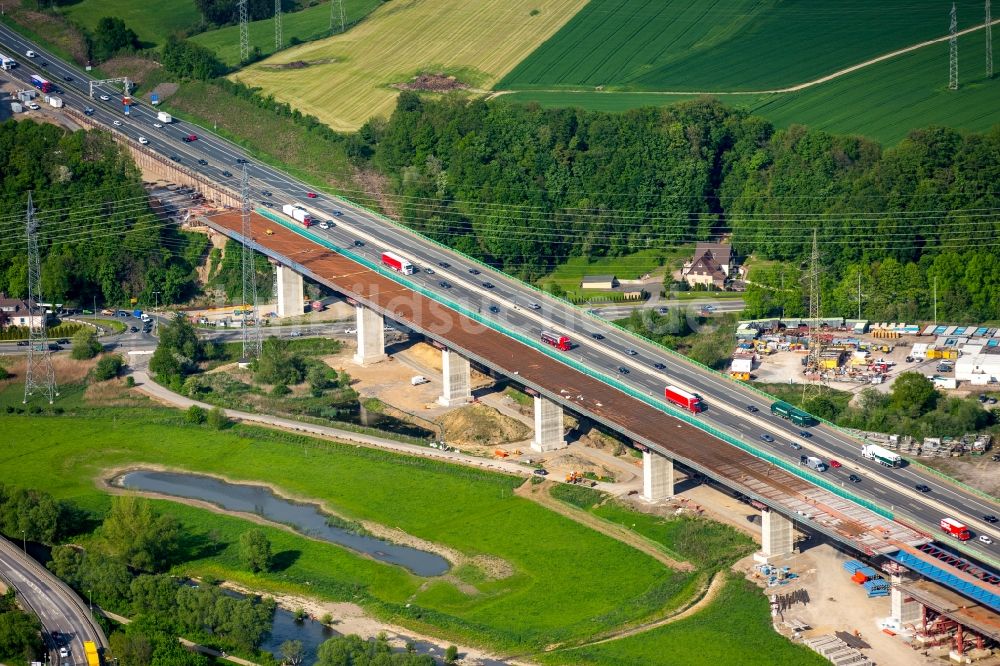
<point x="815" y="341"/>
<point x="953" y="50"/>
<point x="39" y="375"/>
<point x="244" y="31"/>
<point x="252" y="339"/>
<point x="336" y="8"/>
<point x="989" y="42"/>
<point x="277" y="24"/>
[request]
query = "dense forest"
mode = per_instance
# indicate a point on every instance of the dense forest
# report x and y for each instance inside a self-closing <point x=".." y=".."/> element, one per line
<point x="98" y="238"/>
<point x="525" y="188"/>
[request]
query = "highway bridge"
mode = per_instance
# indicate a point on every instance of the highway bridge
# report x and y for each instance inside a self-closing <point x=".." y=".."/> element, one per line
<point x="611" y="376"/>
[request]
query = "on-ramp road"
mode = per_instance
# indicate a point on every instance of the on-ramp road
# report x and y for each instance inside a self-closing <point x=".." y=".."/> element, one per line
<point x="56" y="605"/>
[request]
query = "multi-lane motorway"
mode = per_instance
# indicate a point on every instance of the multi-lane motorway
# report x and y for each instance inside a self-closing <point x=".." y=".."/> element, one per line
<point x="522" y="309"/>
<point x="57" y="607"/>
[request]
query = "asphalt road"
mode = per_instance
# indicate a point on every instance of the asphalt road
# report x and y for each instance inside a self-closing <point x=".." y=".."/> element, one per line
<point x="522" y="309"/>
<point x="57" y="607"/>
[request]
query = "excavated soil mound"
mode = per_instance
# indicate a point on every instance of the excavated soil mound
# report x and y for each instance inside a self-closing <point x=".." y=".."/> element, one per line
<point x="432" y="83"/>
<point x="482" y="425"/>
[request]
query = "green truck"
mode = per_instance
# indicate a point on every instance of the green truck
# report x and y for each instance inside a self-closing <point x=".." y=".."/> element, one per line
<point x="793" y="414"/>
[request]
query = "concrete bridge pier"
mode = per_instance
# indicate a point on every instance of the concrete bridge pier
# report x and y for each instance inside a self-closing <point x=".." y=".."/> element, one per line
<point x="777" y="535"/>
<point x="290" y="292"/>
<point x="657" y="477"/>
<point x="456" y="374"/>
<point x="548" y="426"/>
<point x="903" y="609"/>
<point x="371" y="336"/>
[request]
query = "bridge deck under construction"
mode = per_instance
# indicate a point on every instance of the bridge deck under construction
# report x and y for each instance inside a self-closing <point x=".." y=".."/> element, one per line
<point x="822" y="510"/>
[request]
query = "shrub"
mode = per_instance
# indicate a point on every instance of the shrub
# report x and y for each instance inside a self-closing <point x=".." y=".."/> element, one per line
<point x="216" y="418"/>
<point x="85" y="344"/>
<point x="196" y="415"/>
<point x="108" y="367"/>
<point x="280" y="390"/>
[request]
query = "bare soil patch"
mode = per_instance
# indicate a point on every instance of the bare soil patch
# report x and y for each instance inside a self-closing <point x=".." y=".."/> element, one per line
<point x="299" y="64"/>
<point x="113" y="393"/>
<point x="432" y="83"/>
<point x="135" y="68"/>
<point x="977" y="471"/>
<point x="483" y="426"/>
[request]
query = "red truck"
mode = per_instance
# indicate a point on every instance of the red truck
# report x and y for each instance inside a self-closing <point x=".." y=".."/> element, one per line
<point x="560" y="342"/>
<point x="689" y="401"/>
<point x="398" y="263"/>
<point x="956" y="529"/>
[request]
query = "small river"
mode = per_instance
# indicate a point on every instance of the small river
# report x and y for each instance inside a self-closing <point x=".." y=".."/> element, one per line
<point x="306" y="519"/>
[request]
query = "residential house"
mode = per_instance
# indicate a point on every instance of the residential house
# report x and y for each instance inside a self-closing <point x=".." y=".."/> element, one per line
<point x="711" y="265"/>
<point x="14" y="312"/>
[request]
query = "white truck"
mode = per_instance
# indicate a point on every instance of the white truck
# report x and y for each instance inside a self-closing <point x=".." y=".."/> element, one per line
<point x="881" y="456"/>
<point x="7" y="63"/>
<point x="299" y="214"/>
<point x="164" y="117"/>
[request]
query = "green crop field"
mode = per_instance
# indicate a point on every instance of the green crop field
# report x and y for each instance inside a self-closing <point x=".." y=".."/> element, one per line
<point x="348" y="78"/>
<point x="153" y="22"/>
<point x="723" y="45"/>
<point x="305" y="25"/>
<point x="468" y="510"/>
<point x="883" y="101"/>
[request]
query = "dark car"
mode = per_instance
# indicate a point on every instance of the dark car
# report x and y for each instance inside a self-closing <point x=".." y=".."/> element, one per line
<point x="854" y="478"/>
<point x="494" y="309"/>
<point x="203" y="162"/>
<point x="175" y="158"/>
<point x="63" y="341"/>
<point x="133" y="329"/>
<point x="269" y="204"/>
<point x="990" y="518"/>
<point x="88" y="111"/>
<point x="67" y="78"/>
<point x="541" y="472"/>
<point x="475" y="271"/>
<point x="267" y="193"/>
<point x="54" y="347"/>
<point x="338" y="213"/>
<point x="488" y="285"/>
<point x="331" y="223"/>
<point x="227" y="174"/>
<point x="240" y="160"/>
<point x="805" y="433"/>
<point x="445" y="284"/>
<point x="597" y="336"/>
<point x="622" y="369"/>
<point x="767" y="438"/>
<point x="22" y="343"/>
<point x="659" y="366"/>
<point x="444" y="264"/>
<point x="795" y="445"/>
<point x="982" y="397"/>
<point x="359" y="243"/>
<point x="752" y="409"/>
<point x="43" y="64"/>
<point x="922" y="487"/>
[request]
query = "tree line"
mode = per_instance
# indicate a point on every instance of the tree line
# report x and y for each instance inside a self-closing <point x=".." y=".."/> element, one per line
<point x="526" y="188"/>
<point x="98" y="238"/>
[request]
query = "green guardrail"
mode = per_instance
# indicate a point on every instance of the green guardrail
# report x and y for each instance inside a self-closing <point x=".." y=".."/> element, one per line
<point x="611" y="381"/>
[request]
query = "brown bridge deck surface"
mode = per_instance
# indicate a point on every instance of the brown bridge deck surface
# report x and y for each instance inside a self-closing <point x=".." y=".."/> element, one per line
<point x="955" y="606"/>
<point x="643" y="422"/>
